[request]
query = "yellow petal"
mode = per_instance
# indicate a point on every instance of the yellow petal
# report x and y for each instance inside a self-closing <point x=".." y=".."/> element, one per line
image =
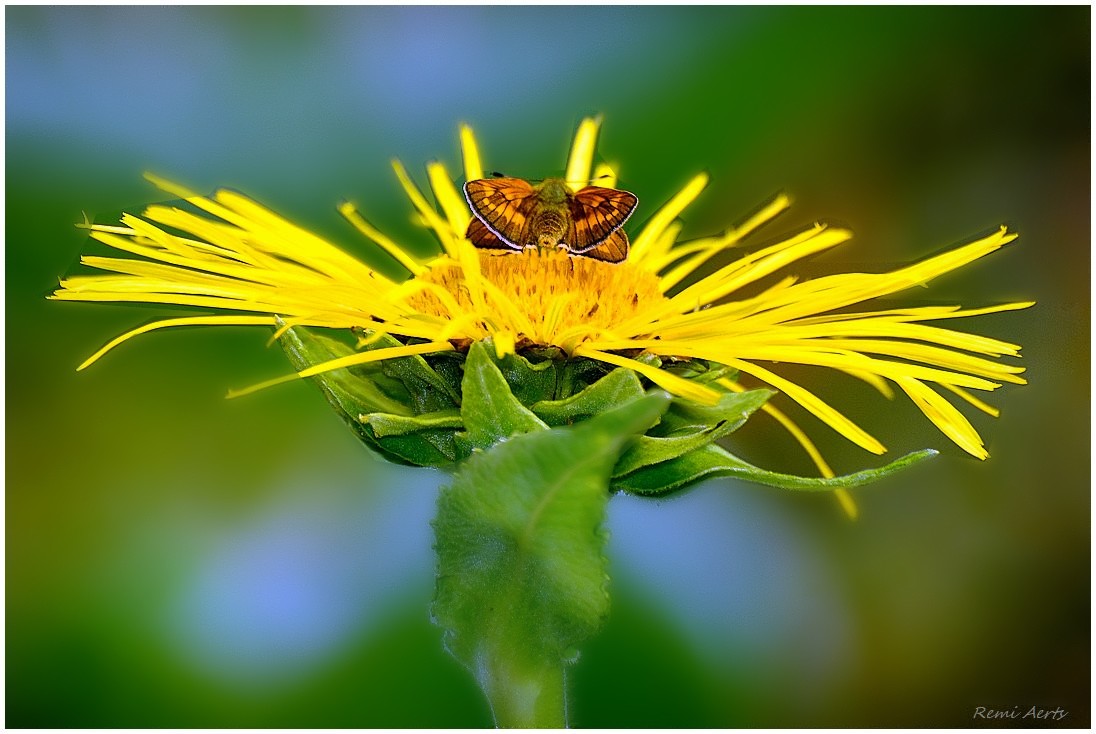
<point x="348" y="361"/>
<point x="446" y="236"/>
<point x="665" y="216"/>
<point x="581" y="159"/>
<point x="604" y="176"/>
<point x="843" y="495"/>
<point x="350" y="212"/>
<point x="811" y="402"/>
<point x="451" y="201"/>
<point x="168" y="323"/>
<point x="715" y="245"/>
<point x="473" y="169"/>
<point x="945" y="416"/>
<point x="665" y="380"/>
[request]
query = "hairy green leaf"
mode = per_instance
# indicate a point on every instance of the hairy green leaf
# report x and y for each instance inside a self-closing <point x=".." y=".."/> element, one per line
<point x="490" y="411"/>
<point x="387" y="424"/>
<point x="529" y="381"/>
<point x="619" y="386"/>
<point x="351" y="391"/>
<point x="714" y="461"/>
<point x="687" y="427"/>
<point x="521" y="572"/>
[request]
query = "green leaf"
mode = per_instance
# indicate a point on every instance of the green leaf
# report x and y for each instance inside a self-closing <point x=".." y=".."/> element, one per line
<point x="425" y="448"/>
<point x="686" y="416"/>
<point x="449" y="366"/>
<point x="425" y="440"/>
<point x="351" y="391"/>
<point x="528" y="381"/>
<point x="687" y="427"/>
<point x="521" y="575"/>
<point x="428" y="390"/>
<point x="387" y="424"/>
<point x="490" y="411"/>
<point x="714" y="461"/>
<point x="393" y="388"/>
<point x="701" y="370"/>
<point x="619" y="386"/>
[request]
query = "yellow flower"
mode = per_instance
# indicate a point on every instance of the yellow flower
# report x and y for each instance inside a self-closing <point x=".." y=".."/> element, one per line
<point x="248" y="265"/>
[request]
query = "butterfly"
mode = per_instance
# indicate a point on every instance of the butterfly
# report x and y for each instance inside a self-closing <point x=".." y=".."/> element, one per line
<point x="511" y="213"/>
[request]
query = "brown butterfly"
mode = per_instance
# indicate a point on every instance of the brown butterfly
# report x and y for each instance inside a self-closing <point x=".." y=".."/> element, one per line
<point x="511" y="213"/>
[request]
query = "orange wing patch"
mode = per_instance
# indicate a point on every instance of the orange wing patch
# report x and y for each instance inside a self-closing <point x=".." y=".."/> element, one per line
<point x="597" y="213"/>
<point x="483" y="238"/>
<point x="502" y="204"/>
<point x="613" y="249"/>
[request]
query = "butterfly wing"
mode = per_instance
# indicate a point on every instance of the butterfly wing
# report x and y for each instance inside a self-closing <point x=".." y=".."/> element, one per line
<point x="484" y="238"/>
<point x="613" y="249"/>
<point x="597" y="213"/>
<point x="503" y="205"/>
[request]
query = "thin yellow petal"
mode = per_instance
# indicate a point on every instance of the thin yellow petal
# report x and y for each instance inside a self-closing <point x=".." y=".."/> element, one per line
<point x="351" y="214"/>
<point x="473" y="169"/>
<point x="755" y="266"/>
<point x="581" y="159"/>
<point x="729" y="239"/>
<point x="812" y="403"/>
<point x="451" y="201"/>
<point x="848" y="504"/>
<point x="445" y="234"/>
<point x="665" y="380"/>
<point x="604" y="176"/>
<point x="661" y="248"/>
<point x="348" y="361"/>
<point x="168" y="323"/>
<point x="276" y="229"/>
<point x="665" y="216"/>
<point x="945" y="416"/>
<point x="874" y="380"/>
<point x="982" y="406"/>
<point x="170" y="187"/>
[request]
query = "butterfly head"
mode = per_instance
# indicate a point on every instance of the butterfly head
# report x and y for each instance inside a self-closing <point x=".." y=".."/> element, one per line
<point x="553" y="192"/>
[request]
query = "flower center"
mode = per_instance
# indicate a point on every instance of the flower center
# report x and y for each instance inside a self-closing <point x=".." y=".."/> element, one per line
<point x="546" y="297"/>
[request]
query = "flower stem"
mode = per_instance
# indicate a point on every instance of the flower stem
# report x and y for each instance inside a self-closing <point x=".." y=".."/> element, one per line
<point x="524" y="698"/>
<point x="522" y="575"/>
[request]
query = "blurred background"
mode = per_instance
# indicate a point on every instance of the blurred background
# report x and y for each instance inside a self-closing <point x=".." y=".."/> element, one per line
<point x="176" y="560"/>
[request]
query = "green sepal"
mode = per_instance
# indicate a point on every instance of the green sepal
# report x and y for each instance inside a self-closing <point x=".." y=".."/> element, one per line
<point x="349" y="394"/>
<point x="449" y="367"/>
<point x="428" y="439"/>
<point x="702" y="371"/>
<point x="619" y="386"/>
<point x="387" y="424"/>
<point x="489" y="409"/>
<point x="687" y="426"/>
<point x="686" y="416"/>
<point x="521" y="575"/>
<point x="400" y="387"/>
<point x="530" y="381"/>
<point x="715" y="461"/>
<point x="352" y="391"/>
<point x="434" y="447"/>
<point x="428" y="390"/>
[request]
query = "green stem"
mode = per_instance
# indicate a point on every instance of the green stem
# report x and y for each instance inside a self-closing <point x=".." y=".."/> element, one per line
<point x="524" y="698"/>
<point x="522" y="574"/>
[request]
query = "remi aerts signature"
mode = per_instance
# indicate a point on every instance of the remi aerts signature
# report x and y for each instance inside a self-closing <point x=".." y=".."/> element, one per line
<point x="1018" y="713"/>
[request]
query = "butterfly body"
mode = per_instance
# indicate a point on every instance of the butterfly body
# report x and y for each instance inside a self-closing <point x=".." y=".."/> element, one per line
<point x="511" y="213"/>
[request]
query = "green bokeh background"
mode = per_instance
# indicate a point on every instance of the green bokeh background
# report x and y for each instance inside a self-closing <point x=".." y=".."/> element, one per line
<point x="177" y="560"/>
